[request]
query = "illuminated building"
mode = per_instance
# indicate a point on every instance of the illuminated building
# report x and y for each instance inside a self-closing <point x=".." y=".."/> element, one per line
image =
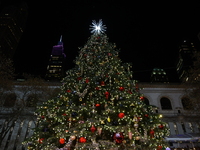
<point x="159" y="75"/>
<point x="12" y="24"/>
<point x="55" y="68"/>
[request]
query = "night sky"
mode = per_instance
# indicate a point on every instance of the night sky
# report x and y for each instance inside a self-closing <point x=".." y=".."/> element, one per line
<point x="147" y="34"/>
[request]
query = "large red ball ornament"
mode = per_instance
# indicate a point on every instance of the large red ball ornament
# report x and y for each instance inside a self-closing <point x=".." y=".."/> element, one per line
<point x="82" y="140"/>
<point x="92" y="129"/>
<point x="159" y="147"/>
<point x="62" y="141"/>
<point x="121" y="115"/>
<point x="121" y="88"/>
<point x="97" y="105"/>
<point x="118" y="137"/>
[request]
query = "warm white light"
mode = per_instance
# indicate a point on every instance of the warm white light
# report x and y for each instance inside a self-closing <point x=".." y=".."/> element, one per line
<point x="97" y="27"/>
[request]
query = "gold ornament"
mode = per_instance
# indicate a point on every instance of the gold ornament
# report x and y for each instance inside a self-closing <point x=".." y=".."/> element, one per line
<point x="102" y="122"/>
<point x="137" y="138"/>
<point x="108" y="119"/>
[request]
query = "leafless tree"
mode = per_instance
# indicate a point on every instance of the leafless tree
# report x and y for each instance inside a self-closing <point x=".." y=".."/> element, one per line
<point x="193" y="84"/>
<point x="21" y="101"/>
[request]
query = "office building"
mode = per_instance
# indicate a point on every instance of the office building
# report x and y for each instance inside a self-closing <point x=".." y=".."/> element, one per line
<point x="56" y="65"/>
<point x="159" y="75"/>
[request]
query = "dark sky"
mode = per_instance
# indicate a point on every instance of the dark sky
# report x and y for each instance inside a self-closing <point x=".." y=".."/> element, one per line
<point x="147" y="34"/>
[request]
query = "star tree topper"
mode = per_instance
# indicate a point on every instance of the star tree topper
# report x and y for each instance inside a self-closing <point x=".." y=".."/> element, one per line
<point x="97" y="27"/>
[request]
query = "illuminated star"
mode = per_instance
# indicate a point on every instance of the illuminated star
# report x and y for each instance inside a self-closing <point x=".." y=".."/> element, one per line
<point x="97" y="27"/>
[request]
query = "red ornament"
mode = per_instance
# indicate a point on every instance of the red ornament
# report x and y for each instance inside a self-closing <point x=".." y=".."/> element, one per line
<point x="159" y="147"/>
<point x="121" y="88"/>
<point x="161" y="126"/>
<point x="152" y="133"/>
<point x="121" y="115"/>
<point x="41" y="140"/>
<point x="87" y="80"/>
<point x="64" y="114"/>
<point x="97" y="88"/>
<point x="129" y="91"/>
<point x="82" y="140"/>
<point x="42" y="117"/>
<point x="62" y="141"/>
<point x="146" y="115"/>
<point x="79" y="78"/>
<point x="103" y="83"/>
<point x="68" y="91"/>
<point x="92" y="129"/>
<point x="107" y="94"/>
<point x="118" y="137"/>
<point x="97" y="105"/>
<point x="142" y="98"/>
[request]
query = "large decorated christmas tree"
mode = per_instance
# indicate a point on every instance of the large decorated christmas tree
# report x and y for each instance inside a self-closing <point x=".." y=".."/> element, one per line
<point x="99" y="106"/>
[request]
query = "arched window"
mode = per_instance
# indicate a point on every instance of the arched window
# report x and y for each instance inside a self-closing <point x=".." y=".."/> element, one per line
<point x="165" y="103"/>
<point x="186" y="102"/>
<point x="9" y="99"/>
<point x="146" y="101"/>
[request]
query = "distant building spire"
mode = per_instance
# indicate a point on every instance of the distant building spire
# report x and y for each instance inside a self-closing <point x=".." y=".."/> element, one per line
<point x="61" y="38"/>
<point x="56" y="65"/>
<point x="60" y="42"/>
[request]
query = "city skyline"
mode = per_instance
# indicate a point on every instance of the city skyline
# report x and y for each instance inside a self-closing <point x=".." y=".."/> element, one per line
<point x="147" y="36"/>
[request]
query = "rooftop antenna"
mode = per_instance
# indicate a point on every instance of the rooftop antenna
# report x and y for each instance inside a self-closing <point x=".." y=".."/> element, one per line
<point x="61" y="38"/>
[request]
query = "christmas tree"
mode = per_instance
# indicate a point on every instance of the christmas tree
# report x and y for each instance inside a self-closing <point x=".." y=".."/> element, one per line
<point x="99" y="106"/>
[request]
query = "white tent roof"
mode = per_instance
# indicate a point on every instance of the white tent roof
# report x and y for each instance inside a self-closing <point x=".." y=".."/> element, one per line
<point x="184" y="137"/>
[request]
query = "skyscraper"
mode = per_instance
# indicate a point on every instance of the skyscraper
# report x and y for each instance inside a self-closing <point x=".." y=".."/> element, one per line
<point x="185" y="60"/>
<point x="12" y="24"/>
<point x="55" y="68"/>
<point x="159" y="75"/>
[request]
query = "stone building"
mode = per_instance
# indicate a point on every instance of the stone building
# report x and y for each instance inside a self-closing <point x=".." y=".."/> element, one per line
<point x="170" y="101"/>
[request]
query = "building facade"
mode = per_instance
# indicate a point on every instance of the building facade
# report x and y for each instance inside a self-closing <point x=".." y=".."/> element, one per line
<point x="170" y="100"/>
